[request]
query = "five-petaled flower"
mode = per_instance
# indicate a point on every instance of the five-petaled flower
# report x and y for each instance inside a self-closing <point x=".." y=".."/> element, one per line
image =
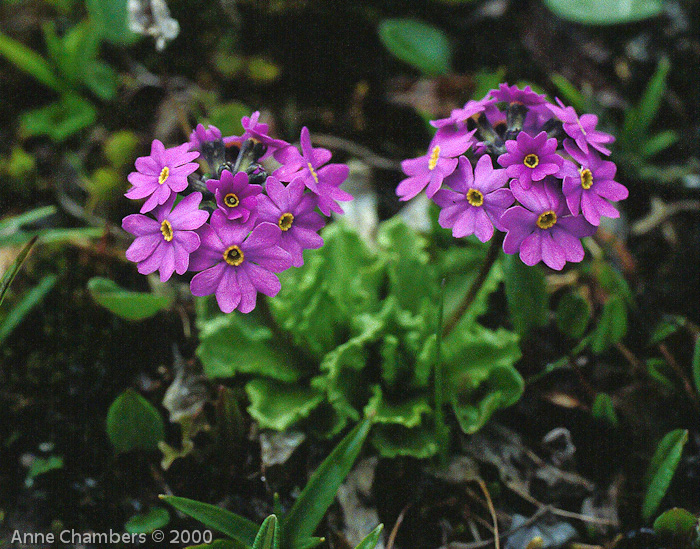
<point x="531" y="158"/>
<point x="161" y="174"/>
<point x="235" y="196"/>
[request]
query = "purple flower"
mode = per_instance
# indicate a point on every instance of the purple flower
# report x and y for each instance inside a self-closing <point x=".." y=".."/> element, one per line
<point x="459" y="117"/>
<point x="582" y="130"/>
<point x="306" y="164"/>
<point x="541" y="229"/>
<point x="235" y="197"/>
<point x="477" y="201"/>
<point x="201" y="135"/>
<point x="513" y="94"/>
<point x="161" y="174"/>
<point x="257" y="131"/>
<point x="166" y="242"/>
<point x="429" y="170"/>
<point x="589" y="188"/>
<point x="531" y="158"/>
<point x="293" y="212"/>
<point x="237" y="263"/>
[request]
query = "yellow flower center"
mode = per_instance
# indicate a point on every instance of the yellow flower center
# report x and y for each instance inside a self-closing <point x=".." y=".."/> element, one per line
<point x="164" y="173"/>
<point x="531" y="160"/>
<point x="475" y="198"/>
<point x="285" y="221"/>
<point x="231" y="200"/>
<point x="313" y="172"/>
<point x="434" y="155"/>
<point x="586" y="178"/>
<point x="167" y="229"/>
<point x="233" y="255"/>
<point x="546" y="220"/>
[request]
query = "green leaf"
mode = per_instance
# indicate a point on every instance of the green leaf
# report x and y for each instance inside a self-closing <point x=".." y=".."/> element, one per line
<point x="79" y="47"/>
<point x="370" y="542"/>
<point x="227" y="117"/>
<point x="231" y="344"/>
<point x="318" y="494"/>
<point x="639" y="119"/>
<point x="101" y="80"/>
<point x="659" y="370"/>
<point x="42" y="465"/>
<point x="125" y="303"/>
<point x="145" y="523"/>
<point x="696" y="366"/>
<point x="24" y="307"/>
<point x="111" y="19"/>
<point x="572" y="96"/>
<point x="661" y="470"/>
<point x="605" y="12"/>
<point x="30" y="62"/>
<point x="526" y="292"/>
<point x="603" y="409"/>
<point x="407" y="412"/>
<point x="423" y="46"/>
<point x="658" y="142"/>
<point x="133" y="422"/>
<point x="677" y="523"/>
<point x="612" y="325"/>
<point x="573" y="314"/>
<point x="268" y="536"/>
<point x="667" y="326"/>
<point x="278" y="406"/>
<point x="393" y="441"/>
<point x="12" y="271"/>
<point x="60" y="119"/>
<point x="235" y="526"/>
<point x="221" y="544"/>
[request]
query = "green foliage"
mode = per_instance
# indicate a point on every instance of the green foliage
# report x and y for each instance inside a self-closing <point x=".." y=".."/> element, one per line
<point x="605" y="12"/>
<point x="145" y="523"/>
<point x="573" y="314"/>
<point x="661" y="470"/>
<point x="134" y="423"/>
<point x="30" y="62"/>
<point x="295" y="529"/>
<point x="14" y="268"/>
<point x="370" y="542"/>
<point x="30" y="300"/>
<point x="125" y="303"/>
<point x="696" y="366"/>
<point x="678" y="526"/>
<point x="110" y="18"/>
<point x="423" y="46"/>
<point x="603" y="409"/>
<point x="60" y="119"/>
<point x="612" y="325"/>
<point x="42" y="465"/>
<point x="356" y="335"/>
<point x="526" y="291"/>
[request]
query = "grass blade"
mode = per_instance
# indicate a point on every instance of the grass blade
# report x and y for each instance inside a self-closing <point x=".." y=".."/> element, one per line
<point x="22" y="309"/>
<point x="10" y="274"/>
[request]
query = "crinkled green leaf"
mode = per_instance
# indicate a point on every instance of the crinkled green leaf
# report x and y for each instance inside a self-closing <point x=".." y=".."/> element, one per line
<point x="238" y="344"/>
<point x="278" y="406"/>
<point x="408" y="411"/>
<point x="235" y="526"/>
<point x="370" y="542"/>
<point x="60" y="119"/>
<point x="125" y="303"/>
<point x="573" y="314"/>
<point x="605" y="12"/>
<point x="145" y="523"/>
<point x="393" y="440"/>
<point x="419" y="44"/>
<point x="269" y="534"/>
<point x="661" y="470"/>
<point x="30" y="62"/>
<point x="318" y="494"/>
<point x="612" y="325"/>
<point x="480" y="374"/>
<point x="134" y="423"/>
<point x="411" y="277"/>
<point x="526" y="292"/>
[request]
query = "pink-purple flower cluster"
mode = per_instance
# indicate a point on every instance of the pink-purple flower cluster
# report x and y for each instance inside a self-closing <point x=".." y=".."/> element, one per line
<point x="236" y="226"/>
<point x="540" y="175"/>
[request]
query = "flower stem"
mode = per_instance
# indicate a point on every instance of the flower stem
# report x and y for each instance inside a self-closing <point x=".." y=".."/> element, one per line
<point x="478" y="282"/>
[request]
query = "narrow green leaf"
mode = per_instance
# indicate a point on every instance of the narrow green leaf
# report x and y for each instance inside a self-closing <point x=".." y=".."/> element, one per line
<point x="313" y="502"/>
<point x="268" y="536"/>
<point x="423" y="46"/>
<point x="134" y="423"/>
<point x="573" y="314"/>
<point x="29" y="61"/>
<point x="12" y="271"/>
<point x="603" y="409"/>
<point x="145" y="523"/>
<point x="651" y="99"/>
<point x="10" y="225"/>
<point x="696" y="366"/>
<point x="28" y="302"/>
<point x="572" y="96"/>
<point x="605" y="12"/>
<point x="657" y="143"/>
<point x="124" y="303"/>
<point x="612" y="325"/>
<point x="661" y="469"/>
<point x="667" y="326"/>
<point x="526" y="292"/>
<point x="370" y="542"/>
<point x="235" y="526"/>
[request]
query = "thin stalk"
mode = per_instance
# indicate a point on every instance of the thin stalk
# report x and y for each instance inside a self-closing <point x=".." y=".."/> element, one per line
<point x="441" y="431"/>
<point x="473" y="291"/>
